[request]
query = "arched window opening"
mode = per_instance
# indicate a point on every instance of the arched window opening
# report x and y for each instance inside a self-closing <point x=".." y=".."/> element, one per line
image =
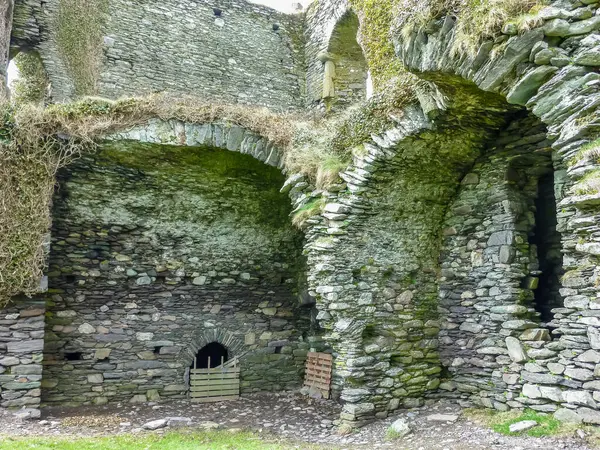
<point x="210" y="356"/>
<point x="351" y="70"/>
<point x="27" y="78"/>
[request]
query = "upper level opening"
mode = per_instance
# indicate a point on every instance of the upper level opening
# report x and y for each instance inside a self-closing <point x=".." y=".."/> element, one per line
<point x="346" y="70"/>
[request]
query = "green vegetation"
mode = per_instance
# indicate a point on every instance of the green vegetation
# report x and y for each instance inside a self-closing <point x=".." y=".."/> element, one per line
<point x="376" y="24"/>
<point x="217" y="440"/>
<point x="33" y="82"/>
<point x="547" y="424"/>
<point x="589" y="152"/>
<point x="79" y="39"/>
<point x="312" y="208"/>
<point x="478" y="20"/>
<point x="589" y="184"/>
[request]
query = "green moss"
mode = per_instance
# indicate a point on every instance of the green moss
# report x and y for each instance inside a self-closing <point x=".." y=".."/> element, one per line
<point x="213" y="173"/>
<point x="33" y="82"/>
<point x="311" y="209"/>
<point x="80" y="40"/>
<point x="377" y="19"/>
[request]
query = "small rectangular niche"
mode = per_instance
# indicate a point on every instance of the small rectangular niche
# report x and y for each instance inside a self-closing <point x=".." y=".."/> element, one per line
<point x="73" y="356"/>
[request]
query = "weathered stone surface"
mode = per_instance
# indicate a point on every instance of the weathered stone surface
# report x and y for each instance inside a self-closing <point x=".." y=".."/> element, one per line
<point x="515" y="350"/>
<point x="522" y="426"/>
<point x="155" y="424"/>
<point x="400" y="428"/>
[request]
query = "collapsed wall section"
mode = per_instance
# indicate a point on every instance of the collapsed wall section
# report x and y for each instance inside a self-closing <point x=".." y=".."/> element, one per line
<point x="159" y="250"/>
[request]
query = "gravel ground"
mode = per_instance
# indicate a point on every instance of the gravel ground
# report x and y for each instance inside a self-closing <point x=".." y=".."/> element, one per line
<point x="290" y="416"/>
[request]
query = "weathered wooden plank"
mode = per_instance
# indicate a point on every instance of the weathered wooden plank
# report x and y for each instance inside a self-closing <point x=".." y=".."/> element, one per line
<point x="214" y="388"/>
<point x="228" y="376"/>
<point x="215" y="393"/>
<point x="215" y="382"/>
<point x="215" y="371"/>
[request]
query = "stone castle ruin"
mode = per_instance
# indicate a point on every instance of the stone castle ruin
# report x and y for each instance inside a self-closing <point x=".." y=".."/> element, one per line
<point x="414" y="196"/>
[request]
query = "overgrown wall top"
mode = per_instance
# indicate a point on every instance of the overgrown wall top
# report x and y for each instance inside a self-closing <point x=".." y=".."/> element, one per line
<point x="230" y="50"/>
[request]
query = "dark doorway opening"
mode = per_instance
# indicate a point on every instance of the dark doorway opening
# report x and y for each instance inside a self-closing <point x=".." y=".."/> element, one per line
<point x="210" y="356"/>
<point x="547" y="240"/>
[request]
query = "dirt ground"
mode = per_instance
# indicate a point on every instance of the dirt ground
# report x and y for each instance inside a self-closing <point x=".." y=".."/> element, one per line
<point x="288" y="415"/>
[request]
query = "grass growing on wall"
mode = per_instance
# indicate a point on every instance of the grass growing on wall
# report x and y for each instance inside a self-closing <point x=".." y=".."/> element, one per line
<point x="477" y="19"/>
<point x="80" y="40"/>
<point x="35" y="142"/>
<point x="33" y="82"/>
<point x="376" y="18"/>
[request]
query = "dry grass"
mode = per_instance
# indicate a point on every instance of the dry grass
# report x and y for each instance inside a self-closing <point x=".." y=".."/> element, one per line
<point x="588" y="153"/>
<point x="478" y="20"/>
<point x="35" y="142"/>
<point x="589" y="184"/>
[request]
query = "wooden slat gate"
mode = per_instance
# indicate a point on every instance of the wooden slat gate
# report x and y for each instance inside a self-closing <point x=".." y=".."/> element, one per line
<point x="318" y="372"/>
<point x="216" y="384"/>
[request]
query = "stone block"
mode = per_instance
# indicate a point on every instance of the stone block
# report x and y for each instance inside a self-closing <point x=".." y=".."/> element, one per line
<point x="535" y="334"/>
<point x="30" y="346"/>
<point x="515" y="350"/>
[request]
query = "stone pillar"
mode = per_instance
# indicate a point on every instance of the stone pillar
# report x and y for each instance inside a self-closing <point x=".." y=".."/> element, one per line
<point x="6" y="14"/>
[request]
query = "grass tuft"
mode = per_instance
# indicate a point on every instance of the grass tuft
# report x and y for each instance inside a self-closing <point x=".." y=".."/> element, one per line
<point x="478" y="20"/>
<point x="588" y="153"/>
<point x="311" y="209"/>
<point x="589" y="184"/>
<point x="500" y="422"/>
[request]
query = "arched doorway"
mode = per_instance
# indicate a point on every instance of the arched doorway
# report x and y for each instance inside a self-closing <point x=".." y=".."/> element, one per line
<point x="210" y="356"/>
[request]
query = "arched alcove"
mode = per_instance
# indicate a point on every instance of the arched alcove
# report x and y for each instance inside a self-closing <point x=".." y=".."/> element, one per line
<point x="351" y="70"/>
<point x="179" y="234"/>
<point x="210" y="356"/>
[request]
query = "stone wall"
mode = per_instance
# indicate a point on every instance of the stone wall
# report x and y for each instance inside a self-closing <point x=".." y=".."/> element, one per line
<point x="21" y="345"/>
<point x="552" y="71"/>
<point x="229" y="50"/>
<point x="489" y="265"/>
<point x="158" y="250"/>
<point x="351" y="71"/>
<point x="321" y="19"/>
<point x="6" y="18"/>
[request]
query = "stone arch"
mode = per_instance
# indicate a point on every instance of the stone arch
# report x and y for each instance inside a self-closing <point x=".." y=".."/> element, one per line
<point x="32" y="85"/>
<point x="322" y="19"/>
<point x="227" y="339"/>
<point x="219" y="135"/>
<point x="483" y="96"/>
<point x="176" y="211"/>
<point x="556" y="91"/>
<point x="349" y="66"/>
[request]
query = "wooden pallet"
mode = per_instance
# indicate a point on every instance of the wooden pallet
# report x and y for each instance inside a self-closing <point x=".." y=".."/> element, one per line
<point x="215" y="385"/>
<point x="318" y="372"/>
